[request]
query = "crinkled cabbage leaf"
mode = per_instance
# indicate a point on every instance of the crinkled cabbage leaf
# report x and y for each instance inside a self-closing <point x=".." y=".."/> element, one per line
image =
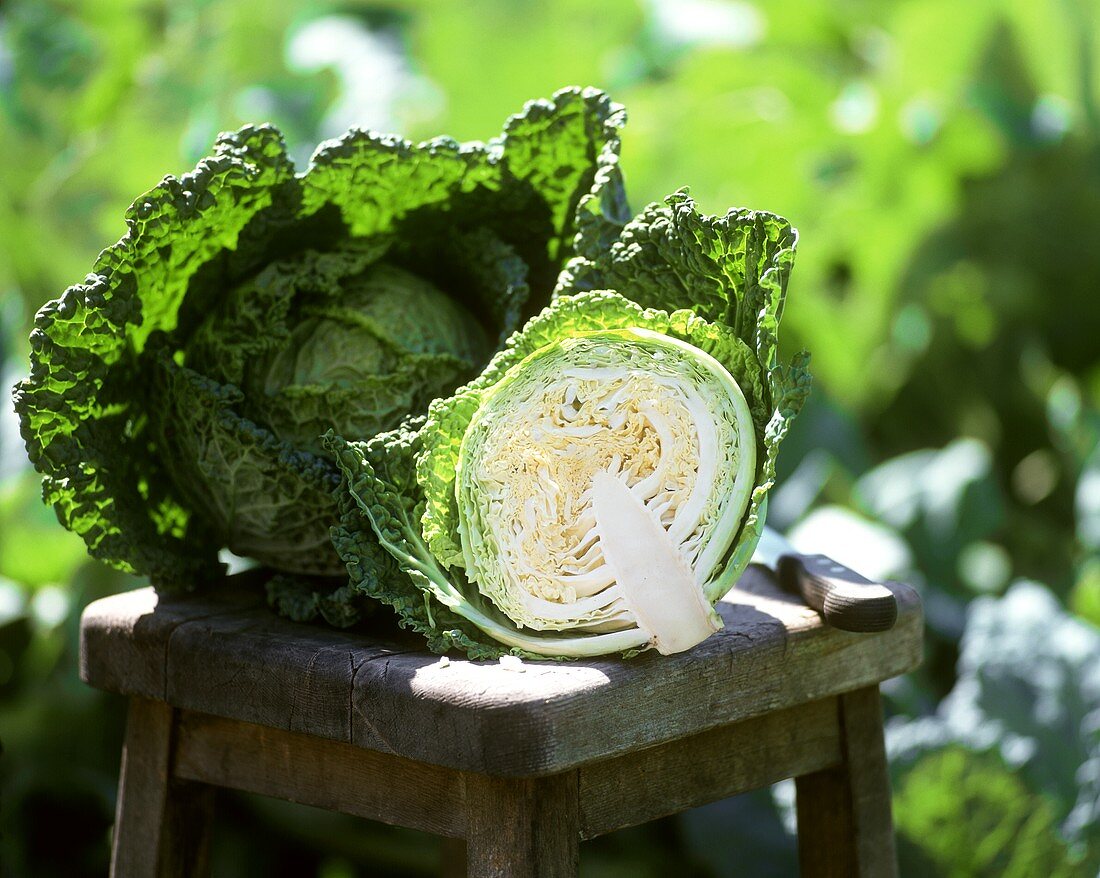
<point x="603" y="481"/>
<point x="177" y="396"/>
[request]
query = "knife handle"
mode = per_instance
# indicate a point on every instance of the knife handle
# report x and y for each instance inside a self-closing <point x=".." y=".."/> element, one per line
<point x="847" y="600"/>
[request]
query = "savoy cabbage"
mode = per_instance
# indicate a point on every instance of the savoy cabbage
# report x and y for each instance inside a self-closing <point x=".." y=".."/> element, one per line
<point x="177" y="396"/>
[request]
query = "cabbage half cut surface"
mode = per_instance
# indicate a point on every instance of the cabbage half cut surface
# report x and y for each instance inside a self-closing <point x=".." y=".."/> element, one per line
<point x="601" y="485"/>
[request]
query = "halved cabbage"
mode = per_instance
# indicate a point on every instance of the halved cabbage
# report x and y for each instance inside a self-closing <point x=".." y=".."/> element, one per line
<point x="595" y="490"/>
<point x="661" y="418"/>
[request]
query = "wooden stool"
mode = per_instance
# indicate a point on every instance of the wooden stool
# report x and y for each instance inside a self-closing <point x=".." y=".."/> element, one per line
<point x="522" y="765"/>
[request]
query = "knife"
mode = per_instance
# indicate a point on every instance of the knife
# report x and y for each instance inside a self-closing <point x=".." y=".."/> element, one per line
<point x="844" y="598"/>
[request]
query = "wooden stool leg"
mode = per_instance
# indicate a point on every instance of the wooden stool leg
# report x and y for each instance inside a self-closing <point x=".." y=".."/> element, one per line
<point x="845" y="827"/>
<point x="161" y="825"/>
<point x="522" y="828"/>
<point x="454" y="858"/>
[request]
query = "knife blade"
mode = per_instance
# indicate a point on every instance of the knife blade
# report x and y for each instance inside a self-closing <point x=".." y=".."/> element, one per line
<point x="845" y="599"/>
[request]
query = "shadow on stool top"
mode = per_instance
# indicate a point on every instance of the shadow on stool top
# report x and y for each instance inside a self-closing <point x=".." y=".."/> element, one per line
<point x="227" y="654"/>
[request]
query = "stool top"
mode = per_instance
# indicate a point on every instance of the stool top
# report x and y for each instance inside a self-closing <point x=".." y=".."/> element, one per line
<point x="227" y="654"/>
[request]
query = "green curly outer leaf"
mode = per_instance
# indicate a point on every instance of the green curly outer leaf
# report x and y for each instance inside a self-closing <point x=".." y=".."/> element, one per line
<point x="87" y="407"/>
<point x="553" y="153"/>
<point x="80" y="407"/>
<point x="379" y="506"/>
<point x="731" y="269"/>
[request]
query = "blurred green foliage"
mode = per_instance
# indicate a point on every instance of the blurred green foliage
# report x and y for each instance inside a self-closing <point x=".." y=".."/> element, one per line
<point x="961" y="814"/>
<point x="942" y="162"/>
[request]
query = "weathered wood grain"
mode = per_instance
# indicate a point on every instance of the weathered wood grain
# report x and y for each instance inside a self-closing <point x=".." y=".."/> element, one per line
<point x="669" y="778"/>
<point x="124" y="638"/>
<point x="161" y="829"/>
<point x="142" y="790"/>
<point x="315" y="771"/>
<point x="865" y="757"/>
<point x="260" y="668"/>
<point x="240" y="661"/>
<point x="845" y="828"/>
<point x="186" y="843"/>
<point x="773" y="654"/>
<point x="522" y="828"/>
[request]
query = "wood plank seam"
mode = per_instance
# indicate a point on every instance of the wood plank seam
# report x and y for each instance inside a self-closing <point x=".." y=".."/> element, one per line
<point x="86" y="662"/>
<point x="364" y="662"/>
<point x="353" y="669"/>
<point x="186" y="623"/>
<point x="349" y="713"/>
<point x="167" y="644"/>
